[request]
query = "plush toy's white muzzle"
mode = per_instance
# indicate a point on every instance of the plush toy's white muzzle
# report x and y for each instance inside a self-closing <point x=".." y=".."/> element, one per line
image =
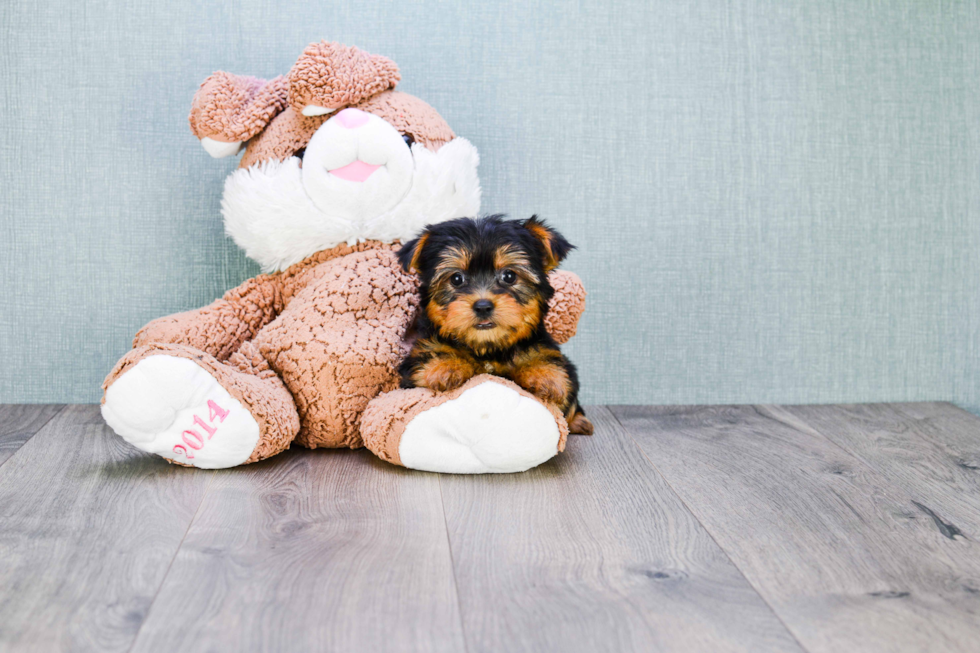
<point x="358" y="180"/>
<point x="357" y="166"/>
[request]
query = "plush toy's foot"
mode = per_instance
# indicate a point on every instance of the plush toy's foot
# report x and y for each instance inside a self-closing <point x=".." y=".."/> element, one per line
<point x="184" y="405"/>
<point x="489" y="425"/>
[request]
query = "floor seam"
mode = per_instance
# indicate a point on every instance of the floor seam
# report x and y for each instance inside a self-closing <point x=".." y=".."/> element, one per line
<point x="63" y="408"/>
<point x="452" y="566"/>
<point x="772" y="412"/>
<point x="708" y="531"/>
<point x="170" y="565"/>
<point x="896" y="489"/>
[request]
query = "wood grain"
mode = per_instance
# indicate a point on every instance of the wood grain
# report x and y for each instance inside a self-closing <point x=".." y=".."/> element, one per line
<point x="843" y="555"/>
<point x="593" y="552"/>
<point x="931" y="450"/>
<point x="18" y="422"/>
<point x="325" y="550"/>
<point x="855" y="526"/>
<point x="88" y="528"/>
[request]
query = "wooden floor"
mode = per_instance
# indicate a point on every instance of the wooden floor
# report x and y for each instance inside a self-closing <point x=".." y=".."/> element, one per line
<point x="748" y="528"/>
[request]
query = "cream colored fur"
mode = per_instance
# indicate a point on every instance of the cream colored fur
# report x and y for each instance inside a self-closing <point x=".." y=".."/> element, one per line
<point x="269" y="213"/>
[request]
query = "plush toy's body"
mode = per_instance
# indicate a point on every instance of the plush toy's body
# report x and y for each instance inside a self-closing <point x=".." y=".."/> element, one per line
<point x="308" y="352"/>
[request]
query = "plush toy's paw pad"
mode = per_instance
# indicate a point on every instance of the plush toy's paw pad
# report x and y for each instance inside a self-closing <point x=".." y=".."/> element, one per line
<point x="172" y="407"/>
<point x="489" y="428"/>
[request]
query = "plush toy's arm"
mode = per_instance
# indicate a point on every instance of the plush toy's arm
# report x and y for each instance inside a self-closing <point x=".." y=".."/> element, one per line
<point x="566" y="306"/>
<point x="221" y="327"/>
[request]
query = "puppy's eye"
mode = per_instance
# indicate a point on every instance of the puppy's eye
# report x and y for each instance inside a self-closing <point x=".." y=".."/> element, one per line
<point x="457" y="279"/>
<point x="508" y="277"/>
<point x="409" y="139"/>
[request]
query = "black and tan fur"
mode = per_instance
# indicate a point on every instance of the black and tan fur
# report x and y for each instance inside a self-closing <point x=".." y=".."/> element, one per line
<point x="485" y="295"/>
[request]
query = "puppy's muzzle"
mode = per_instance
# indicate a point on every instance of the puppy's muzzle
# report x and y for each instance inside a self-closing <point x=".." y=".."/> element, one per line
<point x="483" y="309"/>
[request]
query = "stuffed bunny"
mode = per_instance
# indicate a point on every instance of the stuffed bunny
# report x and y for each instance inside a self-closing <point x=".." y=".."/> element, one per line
<point x="338" y="169"/>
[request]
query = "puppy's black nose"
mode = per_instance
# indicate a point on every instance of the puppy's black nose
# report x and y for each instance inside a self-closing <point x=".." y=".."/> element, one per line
<point x="483" y="307"/>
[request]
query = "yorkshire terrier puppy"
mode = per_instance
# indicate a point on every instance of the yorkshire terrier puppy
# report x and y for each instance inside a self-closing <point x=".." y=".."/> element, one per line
<point x="485" y="295"/>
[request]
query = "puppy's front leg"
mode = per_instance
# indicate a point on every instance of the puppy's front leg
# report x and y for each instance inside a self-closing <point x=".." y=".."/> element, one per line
<point x="441" y="373"/>
<point x="436" y="365"/>
<point x="543" y="374"/>
<point x="551" y="382"/>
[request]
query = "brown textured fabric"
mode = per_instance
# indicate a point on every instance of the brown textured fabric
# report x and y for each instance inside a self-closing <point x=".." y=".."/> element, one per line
<point x="235" y="108"/>
<point x="249" y="380"/>
<point x="222" y="326"/>
<point x="339" y="341"/>
<point x="269" y="115"/>
<point x="291" y="131"/>
<point x="566" y="306"/>
<point x="386" y="418"/>
<point x="331" y="75"/>
<point x="410" y="115"/>
<point x="286" y="135"/>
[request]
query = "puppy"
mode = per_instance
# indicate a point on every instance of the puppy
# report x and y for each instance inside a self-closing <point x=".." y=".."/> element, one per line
<point x="485" y="294"/>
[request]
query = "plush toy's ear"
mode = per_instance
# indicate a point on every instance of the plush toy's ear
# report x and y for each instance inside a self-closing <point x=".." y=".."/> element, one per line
<point x="411" y="253"/>
<point x="328" y="76"/>
<point x="556" y="248"/>
<point x="230" y="109"/>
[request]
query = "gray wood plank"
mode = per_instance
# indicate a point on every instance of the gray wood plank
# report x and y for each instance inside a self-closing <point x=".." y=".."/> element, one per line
<point x="947" y="425"/>
<point x="321" y="550"/>
<point x="18" y="422"/>
<point x="933" y="454"/>
<point x="843" y="556"/>
<point x="593" y="552"/>
<point x="88" y="528"/>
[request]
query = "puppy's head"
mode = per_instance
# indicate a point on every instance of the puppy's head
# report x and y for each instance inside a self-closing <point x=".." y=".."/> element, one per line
<point x="485" y="281"/>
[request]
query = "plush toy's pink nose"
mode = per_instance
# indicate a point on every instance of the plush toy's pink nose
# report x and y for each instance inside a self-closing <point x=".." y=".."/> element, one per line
<point x="352" y="118"/>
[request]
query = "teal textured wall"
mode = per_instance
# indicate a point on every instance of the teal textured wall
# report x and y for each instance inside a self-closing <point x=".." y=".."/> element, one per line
<point x="775" y="201"/>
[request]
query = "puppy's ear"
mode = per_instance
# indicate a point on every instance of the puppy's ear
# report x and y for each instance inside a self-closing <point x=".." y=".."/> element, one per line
<point x="556" y="248"/>
<point x="411" y="253"/>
